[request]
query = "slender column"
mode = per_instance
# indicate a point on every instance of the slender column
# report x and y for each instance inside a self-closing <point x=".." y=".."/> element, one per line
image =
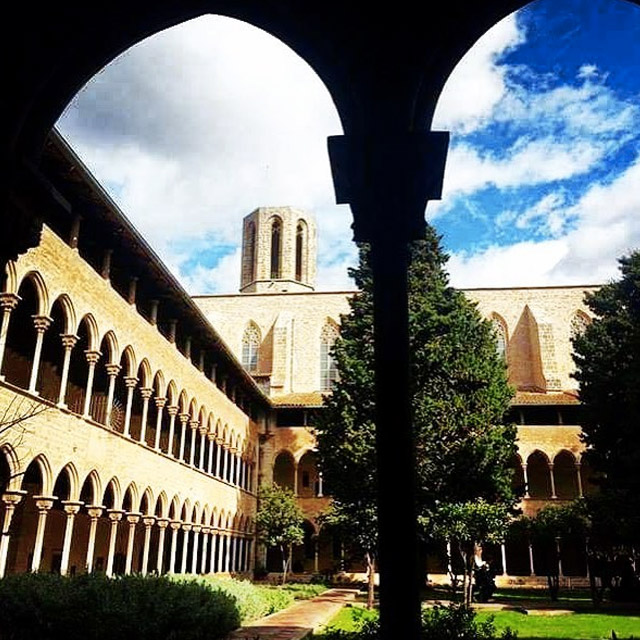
<point x="184" y="418"/>
<point x="212" y="552"/>
<point x="295" y="479"/>
<point x="146" y="393"/>
<point x="203" y="435"/>
<point x="525" y="476"/>
<point x="227" y="555"/>
<point x="232" y="458"/>
<point x="41" y="324"/>
<point x="315" y="555"/>
<point x="194" y="424"/>
<point x="225" y="463"/>
<point x="173" y="412"/>
<point x="153" y="312"/>
<point x="560" y="574"/>
<point x="10" y="499"/>
<point x="175" y="527"/>
<point x="579" y="479"/>
<point x="94" y="512"/>
<point x="553" y="482"/>
<point x="185" y="546"/>
<point x="148" y="522"/>
<point x="132" y="520"/>
<point x="218" y="456"/>
<point x="68" y="342"/>
<point x="320" y="485"/>
<point x="105" y="271"/>
<point x="221" y="546"/>
<point x="204" y="559"/>
<point x="44" y="504"/>
<point x="238" y="468"/>
<point x="250" y="556"/>
<point x="92" y="360"/>
<point x="163" y="523"/>
<point x="196" y="542"/>
<point x="503" y="551"/>
<point x="71" y="509"/>
<point x="211" y="440"/>
<point x="113" y="369"/>
<point x="160" y="402"/>
<point x="130" y="383"/>
<point x="532" y="567"/>
<point x="131" y="294"/>
<point x="8" y="302"/>
<point x="115" y="515"/>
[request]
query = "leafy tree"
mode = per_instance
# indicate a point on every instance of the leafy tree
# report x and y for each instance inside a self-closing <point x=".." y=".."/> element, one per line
<point x="459" y="394"/>
<point x="608" y="372"/>
<point x="279" y="521"/>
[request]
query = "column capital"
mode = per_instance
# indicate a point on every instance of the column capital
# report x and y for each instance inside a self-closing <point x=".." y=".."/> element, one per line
<point x="577" y="464"/>
<point x="148" y="521"/>
<point x="113" y="369"/>
<point x="133" y="518"/>
<point x="130" y="382"/>
<point x="92" y="356"/>
<point x="146" y="392"/>
<point x="13" y="496"/>
<point x="202" y="430"/>
<point x="95" y="511"/>
<point x="186" y="526"/>
<point x="175" y="524"/>
<point x="211" y="436"/>
<point x="160" y="402"/>
<point x="44" y="503"/>
<point x="194" y="424"/>
<point x="69" y="340"/>
<point x="115" y="515"/>
<point x="163" y="523"/>
<point x="173" y="409"/>
<point x="206" y="530"/>
<point x="550" y="465"/>
<point x="196" y="528"/>
<point x="41" y="323"/>
<point x="184" y="418"/>
<point x="9" y="301"/>
<point x="71" y="507"/>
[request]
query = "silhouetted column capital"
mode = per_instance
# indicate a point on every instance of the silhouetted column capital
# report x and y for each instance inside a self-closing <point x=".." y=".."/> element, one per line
<point x="9" y="301"/>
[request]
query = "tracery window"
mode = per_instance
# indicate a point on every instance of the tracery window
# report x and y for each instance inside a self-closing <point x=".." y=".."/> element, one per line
<point x="300" y="249"/>
<point x="500" y="330"/>
<point x="251" y="347"/>
<point x="276" y="248"/>
<point x="328" y="368"/>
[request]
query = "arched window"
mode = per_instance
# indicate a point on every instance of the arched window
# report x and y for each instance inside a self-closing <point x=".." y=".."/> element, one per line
<point x="301" y="241"/>
<point x="328" y="369"/>
<point x="251" y="251"/>
<point x="500" y="329"/>
<point x="276" y="247"/>
<point x="251" y="347"/>
<point x="579" y="323"/>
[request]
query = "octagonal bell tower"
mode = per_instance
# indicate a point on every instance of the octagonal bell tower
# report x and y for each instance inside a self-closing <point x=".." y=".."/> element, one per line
<point x="278" y="251"/>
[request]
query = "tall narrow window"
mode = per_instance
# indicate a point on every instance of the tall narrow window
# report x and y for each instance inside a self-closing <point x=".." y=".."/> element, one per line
<point x="501" y="336"/>
<point x="250" y="348"/>
<point x="300" y="249"/>
<point x="276" y="246"/>
<point x="251" y="251"/>
<point x="328" y="369"/>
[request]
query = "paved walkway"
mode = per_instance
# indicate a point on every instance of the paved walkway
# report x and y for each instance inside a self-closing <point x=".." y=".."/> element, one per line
<point x="299" y="620"/>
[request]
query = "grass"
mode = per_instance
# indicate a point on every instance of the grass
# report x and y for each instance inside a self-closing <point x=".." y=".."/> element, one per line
<point x="575" y="626"/>
<point x="302" y="591"/>
<point x="349" y="619"/>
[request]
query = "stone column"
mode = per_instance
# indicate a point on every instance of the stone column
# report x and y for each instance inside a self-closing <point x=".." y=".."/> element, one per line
<point x="532" y="567"/>
<point x="295" y="478"/>
<point x="68" y="342"/>
<point x="553" y="482"/>
<point x="115" y="515"/>
<point x="203" y="435"/>
<point x="94" y="512"/>
<point x="175" y="527"/>
<point x="232" y="464"/>
<point x="221" y="546"/>
<point x="41" y="324"/>
<point x="148" y="522"/>
<point x="162" y="529"/>
<point x="320" y="485"/>
<point x="194" y="424"/>
<point x="146" y="393"/>
<point x="173" y="412"/>
<point x="218" y="456"/>
<point x="251" y="560"/>
<point x="211" y="441"/>
<point x="184" y="418"/>
<point x="196" y="540"/>
<point x="227" y="555"/>
<point x="205" y="555"/>
<point x="71" y="509"/>
<point x="503" y="551"/>
<point x="525" y="477"/>
<point x="579" y="479"/>
<point x="44" y="504"/>
<point x="112" y="371"/>
<point x="185" y="547"/>
<point x="231" y="553"/>
<point x="212" y="552"/>
<point x="8" y="302"/>
<point x="132" y="520"/>
<point x="11" y="499"/>
<point x="130" y="383"/>
<point x="160" y="402"/>
<point x="560" y="574"/>
<point x="92" y="360"/>
<point x="225" y="462"/>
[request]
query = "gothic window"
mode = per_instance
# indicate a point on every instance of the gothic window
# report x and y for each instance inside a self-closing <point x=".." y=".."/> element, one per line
<point x="250" y="347"/>
<point x="300" y="249"/>
<point x="276" y="248"/>
<point x="501" y="335"/>
<point x="579" y="323"/>
<point x="328" y="369"/>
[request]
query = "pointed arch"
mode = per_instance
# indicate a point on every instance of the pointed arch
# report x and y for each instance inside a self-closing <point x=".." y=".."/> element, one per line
<point x="501" y="331"/>
<point x="129" y="358"/>
<point x="196" y="513"/>
<point x="205" y="515"/>
<point x="131" y="498"/>
<point x="10" y="284"/>
<point x="41" y="462"/>
<point x="91" y="327"/>
<point x="193" y="409"/>
<point x="93" y="485"/>
<point x="162" y="504"/>
<point x="74" y="480"/>
<point x="183" y="402"/>
<point x="109" y="348"/>
<point x="13" y="464"/>
<point x="144" y="373"/>
<point x="158" y="384"/>
<point x="276" y="247"/>
<point x="251" y="341"/>
<point x="185" y="512"/>
<point x="68" y="312"/>
<point x="174" y="509"/>
<point x="172" y="393"/>
<point x="202" y="416"/>
<point x="42" y="294"/>
<point x="328" y="368"/>
<point x="116" y="493"/>
<point x="147" y="503"/>
<point x="214" y="517"/>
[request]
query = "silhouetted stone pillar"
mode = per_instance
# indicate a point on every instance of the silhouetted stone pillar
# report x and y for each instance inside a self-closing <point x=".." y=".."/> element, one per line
<point x="41" y="324"/>
<point x="173" y="412"/>
<point x="130" y="383"/>
<point x="92" y="360"/>
<point x="94" y="512"/>
<point x="44" y="504"/>
<point x="68" y="342"/>
<point x="112" y="371"/>
<point x="175" y="527"/>
<point x="148" y="522"/>
<point x="163" y="523"/>
<point x="71" y="509"/>
<point x="115" y="515"/>
<point x="132" y="520"/>
<point x="11" y="499"/>
<point x="8" y="302"/>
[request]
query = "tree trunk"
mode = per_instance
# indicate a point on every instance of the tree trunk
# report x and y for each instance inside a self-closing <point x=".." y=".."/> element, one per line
<point x="371" y="579"/>
<point x="286" y="557"/>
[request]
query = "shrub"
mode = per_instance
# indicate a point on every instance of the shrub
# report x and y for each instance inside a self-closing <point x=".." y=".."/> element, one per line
<point x="94" y="607"/>
<point x="303" y="591"/>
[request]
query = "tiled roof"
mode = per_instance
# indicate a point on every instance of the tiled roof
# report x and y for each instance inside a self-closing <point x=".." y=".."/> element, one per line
<point x="309" y="399"/>
<point x="548" y="399"/>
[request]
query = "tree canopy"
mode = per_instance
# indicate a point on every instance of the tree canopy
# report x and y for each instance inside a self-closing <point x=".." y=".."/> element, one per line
<point x="459" y="396"/>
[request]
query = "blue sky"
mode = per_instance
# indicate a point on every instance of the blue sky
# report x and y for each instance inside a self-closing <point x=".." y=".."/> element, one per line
<point x="193" y="128"/>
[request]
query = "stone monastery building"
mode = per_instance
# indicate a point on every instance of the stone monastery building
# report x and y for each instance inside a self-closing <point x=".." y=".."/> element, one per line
<point x="136" y="422"/>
